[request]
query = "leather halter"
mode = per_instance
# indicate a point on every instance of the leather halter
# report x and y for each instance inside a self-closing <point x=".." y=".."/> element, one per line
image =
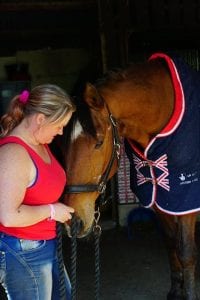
<point x="101" y="186"/>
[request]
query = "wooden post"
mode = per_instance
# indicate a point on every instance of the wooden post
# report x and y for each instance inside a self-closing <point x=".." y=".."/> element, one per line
<point x="113" y="28"/>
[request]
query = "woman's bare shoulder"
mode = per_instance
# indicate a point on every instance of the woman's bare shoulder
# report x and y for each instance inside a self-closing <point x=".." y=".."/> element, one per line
<point x="13" y="153"/>
<point x="15" y="175"/>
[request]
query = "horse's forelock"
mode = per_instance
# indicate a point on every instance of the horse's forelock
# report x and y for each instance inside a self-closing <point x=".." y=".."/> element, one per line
<point x="80" y="122"/>
<point x="78" y="129"/>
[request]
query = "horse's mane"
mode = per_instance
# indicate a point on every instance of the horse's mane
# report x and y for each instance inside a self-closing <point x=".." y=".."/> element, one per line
<point x="138" y="73"/>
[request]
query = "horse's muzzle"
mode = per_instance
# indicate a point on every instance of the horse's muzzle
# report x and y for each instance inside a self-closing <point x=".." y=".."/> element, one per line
<point x="76" y="228"/>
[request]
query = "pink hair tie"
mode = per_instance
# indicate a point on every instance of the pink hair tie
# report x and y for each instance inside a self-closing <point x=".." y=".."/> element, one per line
<point x="23" y="97"/>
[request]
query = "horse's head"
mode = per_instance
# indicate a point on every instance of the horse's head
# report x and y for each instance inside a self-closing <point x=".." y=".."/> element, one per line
<point x="90" y="157"/>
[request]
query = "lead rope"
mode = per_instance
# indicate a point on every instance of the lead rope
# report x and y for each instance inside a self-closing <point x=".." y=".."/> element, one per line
<point x="62" y="287"/>
<point x="73" y="258"/>
<point x="97" y="234"/>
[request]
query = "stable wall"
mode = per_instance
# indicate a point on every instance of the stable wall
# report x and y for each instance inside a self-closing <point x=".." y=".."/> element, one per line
<point x="59" y="67"/>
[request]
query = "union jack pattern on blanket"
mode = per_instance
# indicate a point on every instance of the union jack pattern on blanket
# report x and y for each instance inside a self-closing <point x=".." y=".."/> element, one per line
<point x="160" y="163"/>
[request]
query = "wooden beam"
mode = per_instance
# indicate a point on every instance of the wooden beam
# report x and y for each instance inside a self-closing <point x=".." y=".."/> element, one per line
<point x="45" y="5"/>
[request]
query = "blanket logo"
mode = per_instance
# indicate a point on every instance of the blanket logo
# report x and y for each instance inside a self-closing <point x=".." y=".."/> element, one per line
<point x="161" y="164"/>
<point x="187" y="178"/>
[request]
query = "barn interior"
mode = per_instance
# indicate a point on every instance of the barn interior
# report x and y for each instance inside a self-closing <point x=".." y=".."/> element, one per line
<point x="71" y="42"/>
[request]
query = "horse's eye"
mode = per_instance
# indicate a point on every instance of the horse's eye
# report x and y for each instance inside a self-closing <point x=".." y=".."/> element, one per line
<point x="98" y="144"/>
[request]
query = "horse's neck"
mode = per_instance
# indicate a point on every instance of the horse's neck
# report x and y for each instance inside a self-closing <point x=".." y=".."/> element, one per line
<point x="144" y="113"/>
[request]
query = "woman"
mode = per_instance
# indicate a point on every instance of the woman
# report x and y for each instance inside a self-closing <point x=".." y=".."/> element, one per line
<point x="31" y="182"/>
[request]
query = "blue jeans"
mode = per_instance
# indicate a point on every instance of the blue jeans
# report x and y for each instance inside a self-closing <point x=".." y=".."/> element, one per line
<point x="29" y="269"/>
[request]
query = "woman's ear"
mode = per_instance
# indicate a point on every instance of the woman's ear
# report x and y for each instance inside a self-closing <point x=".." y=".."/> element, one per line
<point x="40" y="119"/>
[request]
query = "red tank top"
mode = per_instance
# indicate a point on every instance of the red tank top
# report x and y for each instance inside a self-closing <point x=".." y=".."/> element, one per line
<point x="47" y="188"/>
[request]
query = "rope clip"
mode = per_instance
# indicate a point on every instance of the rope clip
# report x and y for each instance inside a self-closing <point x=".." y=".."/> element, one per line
<point x="97" y="227"/>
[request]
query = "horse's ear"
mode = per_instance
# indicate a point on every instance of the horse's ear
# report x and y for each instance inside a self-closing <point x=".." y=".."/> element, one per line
<point x="92" y="97"/>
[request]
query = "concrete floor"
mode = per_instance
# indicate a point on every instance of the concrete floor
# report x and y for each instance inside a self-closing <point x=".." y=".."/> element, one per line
<point x="134" y="269"/>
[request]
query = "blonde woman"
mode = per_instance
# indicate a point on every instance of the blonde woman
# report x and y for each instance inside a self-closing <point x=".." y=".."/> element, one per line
<point x="31" y="182"/>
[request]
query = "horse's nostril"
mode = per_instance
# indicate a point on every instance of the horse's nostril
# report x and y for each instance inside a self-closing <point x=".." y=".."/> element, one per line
<point x="77" y="228"/>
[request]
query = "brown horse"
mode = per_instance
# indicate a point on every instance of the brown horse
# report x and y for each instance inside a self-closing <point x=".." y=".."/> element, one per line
<point x="154" y="106"/>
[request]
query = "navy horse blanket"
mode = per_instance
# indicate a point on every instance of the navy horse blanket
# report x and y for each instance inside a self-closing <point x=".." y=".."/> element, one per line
<point x="167" y="173"/>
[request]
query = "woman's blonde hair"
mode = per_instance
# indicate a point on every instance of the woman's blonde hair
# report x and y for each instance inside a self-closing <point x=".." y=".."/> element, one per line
<point x="48" y="99"/>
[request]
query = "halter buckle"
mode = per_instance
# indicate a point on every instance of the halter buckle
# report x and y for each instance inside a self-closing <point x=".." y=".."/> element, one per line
<point x="102" y="187"/>
<point x="117" y="148"/>
<point x="112" y="119"/>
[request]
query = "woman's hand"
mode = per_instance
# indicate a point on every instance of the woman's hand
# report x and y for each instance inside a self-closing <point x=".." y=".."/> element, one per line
<point x="62" y="212"/>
